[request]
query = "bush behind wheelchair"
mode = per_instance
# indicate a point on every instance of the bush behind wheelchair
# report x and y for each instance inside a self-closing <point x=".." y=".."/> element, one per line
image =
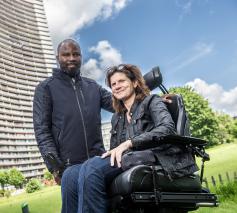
<point x="146" y="188"/>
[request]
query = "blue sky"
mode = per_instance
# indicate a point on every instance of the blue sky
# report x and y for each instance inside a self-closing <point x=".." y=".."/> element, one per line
<point x="193" y="41"/>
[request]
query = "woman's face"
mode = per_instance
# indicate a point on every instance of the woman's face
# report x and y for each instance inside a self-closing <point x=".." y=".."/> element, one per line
<point x="122" y="87"/>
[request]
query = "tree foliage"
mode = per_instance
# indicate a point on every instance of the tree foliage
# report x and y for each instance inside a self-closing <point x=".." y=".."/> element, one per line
<point x="203" y="121"/>
<point x="16" y="178"/>
<point x="226" y="128"/>
<point x="4" y="178"/>
<point x="234" y="128"/>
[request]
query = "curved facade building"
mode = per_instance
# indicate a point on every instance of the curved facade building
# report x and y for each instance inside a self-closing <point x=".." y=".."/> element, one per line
<point x="26" y="57"/>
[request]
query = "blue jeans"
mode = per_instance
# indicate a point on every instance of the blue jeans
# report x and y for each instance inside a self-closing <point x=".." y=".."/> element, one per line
<point x="69" y="189"/>
<point x="84" y="186"/>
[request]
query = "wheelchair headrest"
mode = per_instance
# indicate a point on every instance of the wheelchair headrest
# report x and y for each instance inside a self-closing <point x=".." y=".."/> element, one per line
<point x="179" y="115"/>
<point x="153" y="78"/>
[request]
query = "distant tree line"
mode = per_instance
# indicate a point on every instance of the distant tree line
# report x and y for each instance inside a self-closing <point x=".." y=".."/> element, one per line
<point x="205" y="123"/>
<point x="14" y="177"/>
<point x="11" y="177"/>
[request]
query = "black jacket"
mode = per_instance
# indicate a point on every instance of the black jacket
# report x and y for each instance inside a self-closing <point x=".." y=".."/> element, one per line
<point x="150" y="123"/>
<point x="67" y="120"/>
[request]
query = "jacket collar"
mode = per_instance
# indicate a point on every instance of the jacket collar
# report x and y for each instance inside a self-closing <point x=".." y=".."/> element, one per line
<point x="134" y="107"/>
<point x="59" y="73"/>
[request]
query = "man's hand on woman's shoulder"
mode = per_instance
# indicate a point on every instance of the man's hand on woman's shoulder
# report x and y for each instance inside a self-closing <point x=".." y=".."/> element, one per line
<point x="167" y="98"/>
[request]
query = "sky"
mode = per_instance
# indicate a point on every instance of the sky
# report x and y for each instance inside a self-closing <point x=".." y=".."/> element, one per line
<point x="194" y="42"/>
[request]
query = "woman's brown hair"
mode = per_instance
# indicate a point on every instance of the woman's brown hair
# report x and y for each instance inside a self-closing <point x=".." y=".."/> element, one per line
<point x="134" y="74"/>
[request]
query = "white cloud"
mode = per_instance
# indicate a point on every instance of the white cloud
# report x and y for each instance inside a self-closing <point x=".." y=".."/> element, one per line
<point x="185" y="6"/>
<point x="218" y="98"/>
<point x="65" y="17"/>
<point x="107" y="56"/>
<point x="198" y="51"/>
<point x="91" y="69"/>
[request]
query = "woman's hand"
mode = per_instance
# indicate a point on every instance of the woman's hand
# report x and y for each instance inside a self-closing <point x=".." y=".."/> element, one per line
<point x="116" y="153"/>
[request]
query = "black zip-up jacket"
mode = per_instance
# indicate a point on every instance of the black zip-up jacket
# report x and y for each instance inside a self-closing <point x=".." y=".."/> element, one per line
<point x="67" y="120"/>
<point x="150" y="123"/>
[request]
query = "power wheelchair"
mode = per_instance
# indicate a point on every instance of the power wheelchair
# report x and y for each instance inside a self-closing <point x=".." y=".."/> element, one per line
<point x="145" y="188"/>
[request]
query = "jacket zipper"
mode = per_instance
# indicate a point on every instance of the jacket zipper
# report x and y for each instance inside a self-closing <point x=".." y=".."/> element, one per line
<point x="82" y="118"/>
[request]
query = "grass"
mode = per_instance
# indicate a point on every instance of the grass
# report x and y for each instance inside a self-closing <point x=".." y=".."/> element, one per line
<point x="229" y="206"/>
<point x="223" y="159"/>
<point x="228" y="199"/>
<point x="48" y="200"/>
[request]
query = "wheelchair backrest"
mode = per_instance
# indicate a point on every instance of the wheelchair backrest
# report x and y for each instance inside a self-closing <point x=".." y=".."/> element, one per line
<point x="153" y="80"/>
<point x="179" y="115"/>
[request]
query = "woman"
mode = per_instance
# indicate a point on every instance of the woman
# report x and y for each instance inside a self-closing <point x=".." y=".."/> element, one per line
<point x="140" y="118"/>
<point x="140" y="121"/>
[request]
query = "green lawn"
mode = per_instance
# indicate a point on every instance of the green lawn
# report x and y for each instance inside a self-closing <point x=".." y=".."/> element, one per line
<point x="229" y="206"/>
<point x="223" y="159"/>
<point x="48" y="200"/>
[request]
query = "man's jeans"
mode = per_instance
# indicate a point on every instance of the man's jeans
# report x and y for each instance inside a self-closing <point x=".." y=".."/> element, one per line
<point x="84" y="186"/>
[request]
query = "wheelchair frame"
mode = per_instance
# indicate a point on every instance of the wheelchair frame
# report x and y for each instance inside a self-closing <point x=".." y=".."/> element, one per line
<point x="156" y="199"/>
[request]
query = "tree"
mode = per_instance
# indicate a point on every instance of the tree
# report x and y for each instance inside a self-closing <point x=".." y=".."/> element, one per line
<point x="16" y="178"/>
<point x="234" y="128"/>
<point x="226" y="127"/>
<point x="203" y="121"/>
<point x="4" y="178"/>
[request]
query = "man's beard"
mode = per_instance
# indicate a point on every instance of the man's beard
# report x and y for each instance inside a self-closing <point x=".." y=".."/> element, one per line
<point x="72" y="73"/>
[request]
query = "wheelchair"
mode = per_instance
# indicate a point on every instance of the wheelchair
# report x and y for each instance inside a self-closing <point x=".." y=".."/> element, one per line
<point x="145" y="188"/>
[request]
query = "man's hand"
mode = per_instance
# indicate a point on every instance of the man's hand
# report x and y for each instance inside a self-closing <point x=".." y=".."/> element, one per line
<point x="57" y="177"/>
<point x="167" y="98"/>
<point x="116" y="153"/>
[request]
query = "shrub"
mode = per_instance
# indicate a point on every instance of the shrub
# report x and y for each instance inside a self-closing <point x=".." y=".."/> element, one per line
<point x="227" y="191"/>
<point x="48" y="176"/>
<point x="7" y="193"/>
<point x="33" y="185"/>
<point x="2" y="192"/>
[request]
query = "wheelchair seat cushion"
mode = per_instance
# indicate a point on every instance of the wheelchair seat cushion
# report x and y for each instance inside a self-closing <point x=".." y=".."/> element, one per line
<point x="140" y="179"/>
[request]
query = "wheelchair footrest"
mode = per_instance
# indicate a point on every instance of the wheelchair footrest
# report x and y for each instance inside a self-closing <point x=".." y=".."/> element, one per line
<point x="197" y="199"/>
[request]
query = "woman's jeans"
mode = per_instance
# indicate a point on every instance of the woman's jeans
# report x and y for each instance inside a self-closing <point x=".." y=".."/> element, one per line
<point x="84" y="186"/>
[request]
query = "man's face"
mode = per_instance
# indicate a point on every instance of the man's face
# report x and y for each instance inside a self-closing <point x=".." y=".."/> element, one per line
<point x="69" y="58"/>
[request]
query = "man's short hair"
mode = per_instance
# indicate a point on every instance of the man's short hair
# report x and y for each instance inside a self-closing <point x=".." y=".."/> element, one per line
<point x="68" y="40"/>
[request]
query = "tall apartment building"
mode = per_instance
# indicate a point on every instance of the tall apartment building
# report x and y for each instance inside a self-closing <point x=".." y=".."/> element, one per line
<point x="26" y="57"/>
<point x="105" y="128"/>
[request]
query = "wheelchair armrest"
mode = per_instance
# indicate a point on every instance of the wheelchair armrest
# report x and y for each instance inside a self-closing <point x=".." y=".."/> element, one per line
<point x="184" y="140"/>
<point x="196" y="144"/>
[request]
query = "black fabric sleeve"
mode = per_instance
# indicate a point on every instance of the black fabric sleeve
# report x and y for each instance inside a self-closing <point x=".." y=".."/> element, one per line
<point x="106" y="99"/>
<point x="42" y="119"/>
<point x="163" y="125"/>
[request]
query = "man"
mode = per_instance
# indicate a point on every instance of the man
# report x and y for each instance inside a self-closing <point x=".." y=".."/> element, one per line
<point x="67" y="120"/>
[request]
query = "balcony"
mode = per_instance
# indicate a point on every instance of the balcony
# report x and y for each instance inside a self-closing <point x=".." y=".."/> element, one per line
<point x="17" y="86"/>
<point x="17" y="136"/>
<point x="15" y="101"/>
<point x="17" y="130"/>
<point x="30" y="168"/>
<point x="17" y="156"/>
<point x="21" y="149"/>
<point x="14" y="118"/>
<point x="10" y="163"/>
